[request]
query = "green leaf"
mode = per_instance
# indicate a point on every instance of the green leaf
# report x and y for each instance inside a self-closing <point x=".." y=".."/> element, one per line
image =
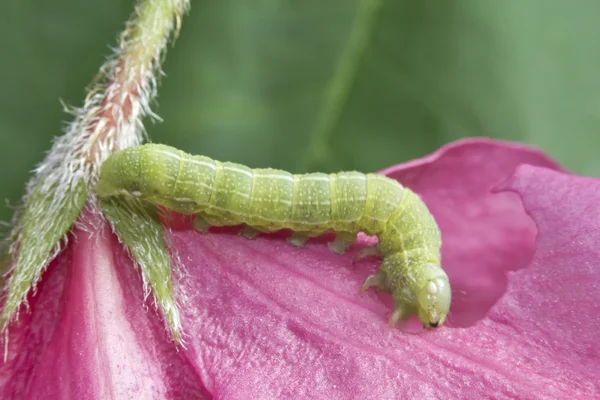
<point x="137" y="225"/>
<point x="47" y="216"/>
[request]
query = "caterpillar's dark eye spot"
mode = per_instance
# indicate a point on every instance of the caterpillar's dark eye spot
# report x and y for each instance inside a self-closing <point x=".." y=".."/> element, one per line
<point x="393" y="231"/>
<point x="434" y="324"/>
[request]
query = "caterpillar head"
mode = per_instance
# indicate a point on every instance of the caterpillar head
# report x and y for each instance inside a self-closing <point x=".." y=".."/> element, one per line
<point x="434" y="301"/>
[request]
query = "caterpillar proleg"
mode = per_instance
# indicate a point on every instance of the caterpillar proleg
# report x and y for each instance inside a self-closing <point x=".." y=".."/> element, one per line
<point x="268" y="200"/>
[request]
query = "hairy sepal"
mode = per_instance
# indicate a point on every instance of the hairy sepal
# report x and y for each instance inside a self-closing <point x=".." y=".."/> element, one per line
<point x="138" y="227"/>
<point x="4" y="259"/>
<point x="47" y="216"/>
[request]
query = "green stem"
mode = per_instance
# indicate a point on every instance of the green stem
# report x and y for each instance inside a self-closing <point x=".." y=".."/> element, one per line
<point x="148" y="32"/>
<point x="109" y="120"/>
<point x="339" y="87"/>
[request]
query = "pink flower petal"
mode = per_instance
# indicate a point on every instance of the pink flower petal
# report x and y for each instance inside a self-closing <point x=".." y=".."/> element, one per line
<point x="554" y="305"/>
<point x="272" y="321"/>
<point x="88" y="335"/>
<point x="266" y="320"/>
<point x="485" y="234"/>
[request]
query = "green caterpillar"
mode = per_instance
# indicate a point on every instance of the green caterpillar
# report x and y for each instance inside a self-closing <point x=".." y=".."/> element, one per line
<point x="268" y="200"/>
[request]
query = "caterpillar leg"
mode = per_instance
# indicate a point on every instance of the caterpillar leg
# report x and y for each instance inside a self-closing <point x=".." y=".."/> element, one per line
<point x="366" y="252"/>
<point x="341" y="242"/>
<point x="200" y="224"/>
<point x="377" y="281"/>
<point x="249" y="232"/>
<point x="204" y="221"/>
<point x="399" y="314"/>
<point x="299" y="239"/>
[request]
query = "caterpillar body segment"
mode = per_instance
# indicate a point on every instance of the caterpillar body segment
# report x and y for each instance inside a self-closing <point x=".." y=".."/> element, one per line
<point x="268" y="200"/>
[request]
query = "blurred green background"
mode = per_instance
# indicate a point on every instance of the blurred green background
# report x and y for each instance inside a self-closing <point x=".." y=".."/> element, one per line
<point x="319" y="84"/>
